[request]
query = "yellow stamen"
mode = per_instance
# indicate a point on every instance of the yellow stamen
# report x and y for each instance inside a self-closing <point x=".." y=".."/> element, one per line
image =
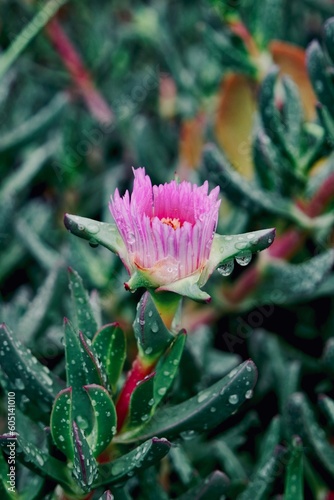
<point x="174" y="223"/>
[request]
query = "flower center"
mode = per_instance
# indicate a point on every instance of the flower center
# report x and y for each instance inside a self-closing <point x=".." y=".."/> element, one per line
<point x="174" y="223"/>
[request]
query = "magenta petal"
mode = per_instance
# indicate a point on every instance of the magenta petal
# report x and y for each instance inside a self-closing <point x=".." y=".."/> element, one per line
<point x="167" y="229"/>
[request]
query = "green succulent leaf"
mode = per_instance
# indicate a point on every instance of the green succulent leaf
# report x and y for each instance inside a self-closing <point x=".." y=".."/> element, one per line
<point x="260" y="484"/>
<point x="270" y="115"/>
<point x="266" y="160"/>
<point x="293" y="114"/>
<point x="329" y="37"/>
<point x="145" y="455"/>
<point x="141" y="403"/>
<point x="24" y="374"/>
<point x="301" y="421"/>
<point x="110" y="347"/>
<point x="319" y="75"/>
<point x="101" y="233"/>
<point x="239" y="246"/>
<point x="213" y="487"/>
<point x="38" y="308"/>
<point x="204" y="411"/>
<point x="246" y="193"/>
<point x="229" y="461"/>
<point x="294" y="480"/>
<point x="288" y="283"/>
<point x="61" y="423"/>
<point x="78" y="367"/>
<point x="6" y="494"/>
<point x="37" y="460"/>
<point x="85" y="469"/>
<point x="38" y="123"/>
<point x="327" y="358"/>
<point x="230" y="56"/>
<point x="105" y="418"/>
<point x="94" y="370"/>
<point x="167" y="368"/>
<point x="152" y="336"/>
<point x="84" y="313"/>
<point x="327" y="406"/>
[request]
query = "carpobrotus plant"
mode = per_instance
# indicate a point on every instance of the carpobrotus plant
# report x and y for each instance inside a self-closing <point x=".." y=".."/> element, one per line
<point x="104" y="429"/>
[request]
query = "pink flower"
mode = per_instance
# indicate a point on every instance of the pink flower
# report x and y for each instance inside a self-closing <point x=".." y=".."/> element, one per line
<point x="167" y="232"/>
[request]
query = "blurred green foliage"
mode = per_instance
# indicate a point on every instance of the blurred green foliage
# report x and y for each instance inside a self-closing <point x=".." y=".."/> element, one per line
<point x="111" y="85"/>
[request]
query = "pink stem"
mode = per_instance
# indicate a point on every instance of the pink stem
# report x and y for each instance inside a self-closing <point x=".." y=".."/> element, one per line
<point x="80" y="75"/>
<point x="137" y="373"/>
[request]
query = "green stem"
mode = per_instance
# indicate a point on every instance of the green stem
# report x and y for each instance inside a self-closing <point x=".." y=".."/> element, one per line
<point x="167" y="304"/>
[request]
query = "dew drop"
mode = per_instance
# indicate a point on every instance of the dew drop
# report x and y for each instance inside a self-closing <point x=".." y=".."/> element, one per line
<point x="227" y="268"/>
<point x="244" y="258"/>
<point x="155" y="327"/>
<point x="19" y="384"/>
<point x="249" y="394"/>
<point x="162" y="391"/>
<point x="233" y="399"/>
<point x="81" y="227"/>
<point x="93" y="228"/>
<point x="130" y="238"/>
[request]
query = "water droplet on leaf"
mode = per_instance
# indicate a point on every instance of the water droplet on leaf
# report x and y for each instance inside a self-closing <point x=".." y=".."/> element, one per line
<point x="226" y="268"/>
<point x="244" y="258"/>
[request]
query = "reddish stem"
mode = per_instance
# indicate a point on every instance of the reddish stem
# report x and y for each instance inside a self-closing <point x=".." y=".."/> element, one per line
<point x="137" y="373"/>
<point x="80" y="75"/>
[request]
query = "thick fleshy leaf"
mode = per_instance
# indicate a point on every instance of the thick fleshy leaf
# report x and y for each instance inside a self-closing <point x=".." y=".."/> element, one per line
<point x="329" y="37"/>
<point x="229" y="461"/>
<point x="93" y="368"/>
<point x="294" y="481"/>
<point x="202" y="412"/>
<point x="327" y="406"/>
<point x="246" y="193"/>
<point x="105" y="418"/>
<point x="97" y="233"/>
<point x="327" y="358"/>
<point x="38" y="308"/>
<point x="37" y="460"/>
<point x="152" y="336"/>
<point x="7" y="491"/>
<point x="61" y="422"/>
<point x="145" y="455"/>
<point x="240" y="247"/>
<point x="294" y="282"/>
<point x="84" y="464"/>
<point x="83" y="310"/>
<point x="293" y="114"/>
<point x="110" y="346"/>
<point x="213" y="487"/>
<point x="167" y="368"/>
<point x="292" y="62"/>
<point x="260" y="484"/>
<point x="31" y="381"/>
<point x="77" y="378"/>
<point x="319" y="75"/>
<point x="234" y="122"/>
<point x="141" y="403"/>
<point x="38" y="123"/>
<point x="301" y="421"/>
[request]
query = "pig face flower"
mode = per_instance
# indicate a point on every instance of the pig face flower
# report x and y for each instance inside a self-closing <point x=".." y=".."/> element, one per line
<point x="165" y="236"/>
<point x="167" y="232"/>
